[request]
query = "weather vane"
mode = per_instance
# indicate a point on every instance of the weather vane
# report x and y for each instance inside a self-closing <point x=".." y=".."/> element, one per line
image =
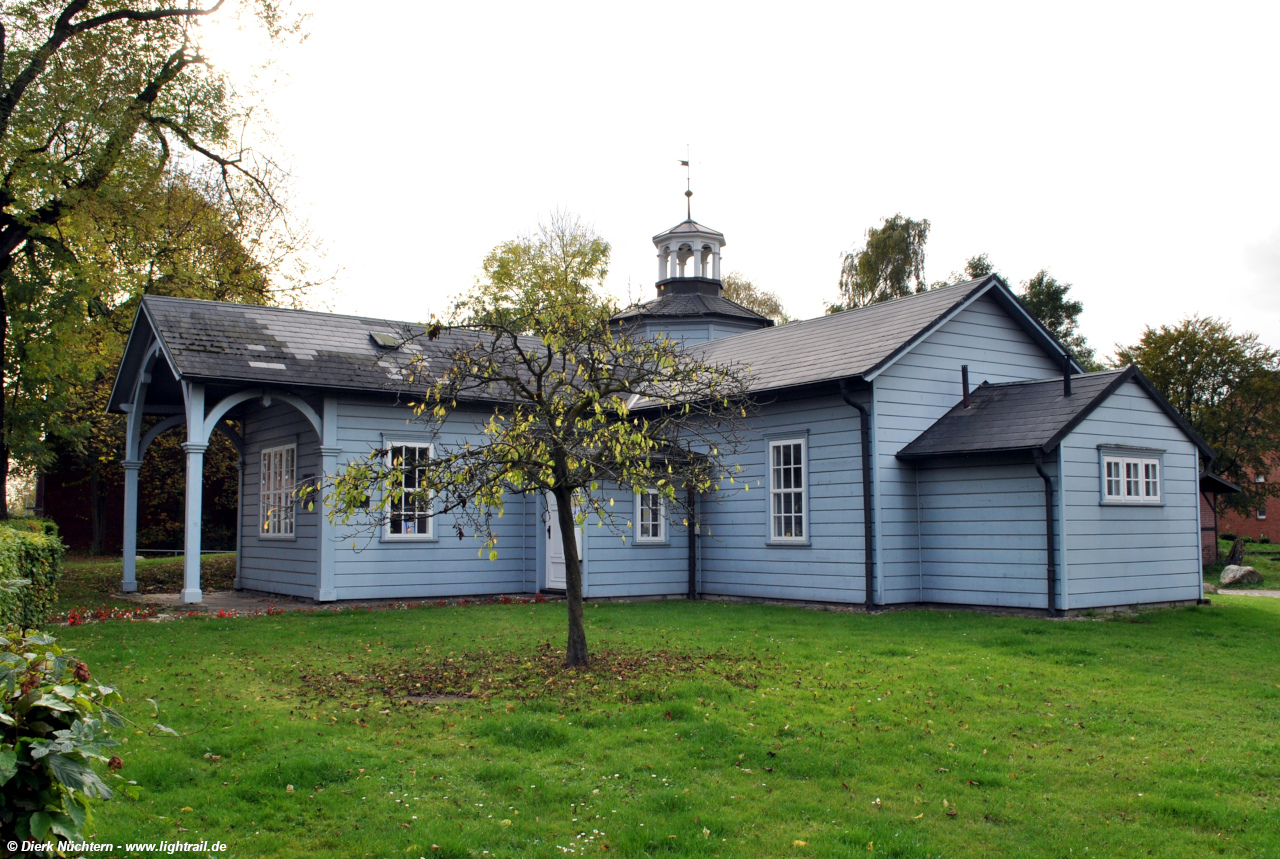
<point x="688" y="190"/>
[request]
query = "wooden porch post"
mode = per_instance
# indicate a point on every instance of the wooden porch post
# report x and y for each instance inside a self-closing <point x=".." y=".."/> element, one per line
<point x="195" y="447"/>
<point x="329" y="451"/>
<point x="129" y="582"/>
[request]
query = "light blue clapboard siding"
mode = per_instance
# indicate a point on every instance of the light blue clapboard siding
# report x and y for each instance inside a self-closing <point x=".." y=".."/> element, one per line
<point x="982" y="535"/>
<point x="693" y="331"/>
<point x="735" y="560"/>
<point x="446" y="566"/>
<point x="274" y="565"/>
<point x="1120" y="555"/>
<point x="913" y="393"/>
<point x="631" y="569"/>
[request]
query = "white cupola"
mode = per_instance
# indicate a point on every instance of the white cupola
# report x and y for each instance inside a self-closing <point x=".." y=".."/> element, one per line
<point x="690" y="306"/>
<point x="689" y="259"/>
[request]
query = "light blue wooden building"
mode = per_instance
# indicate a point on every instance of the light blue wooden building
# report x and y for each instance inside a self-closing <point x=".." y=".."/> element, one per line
<point x="884" y="478"/>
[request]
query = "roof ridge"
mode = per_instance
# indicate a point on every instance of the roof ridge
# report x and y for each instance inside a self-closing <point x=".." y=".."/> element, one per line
<point x="321" y="313"/>
<point x="1053" y="379"/>
<point x="791" y="326"/>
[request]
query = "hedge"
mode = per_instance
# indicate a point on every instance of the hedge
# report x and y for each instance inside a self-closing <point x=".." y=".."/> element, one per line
<point x="30" y="550"/>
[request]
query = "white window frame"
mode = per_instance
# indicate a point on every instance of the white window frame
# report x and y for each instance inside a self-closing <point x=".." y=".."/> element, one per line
<point x="1129" y="479"/>
<point x="778" y="493"/>
<point x="430" y="525"/>
<point x="658" y="533"/>
<point x="1261" y="512"/>
<point x="277" y="507"/>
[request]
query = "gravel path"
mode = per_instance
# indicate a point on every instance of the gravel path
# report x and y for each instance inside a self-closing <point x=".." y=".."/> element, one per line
<point x="1234" y="592"/>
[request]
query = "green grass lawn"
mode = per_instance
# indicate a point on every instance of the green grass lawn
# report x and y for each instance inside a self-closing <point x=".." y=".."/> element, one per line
<point x="1264" y="557"/>
<point x="704" y="730"/>
<point x="89" y="581"/>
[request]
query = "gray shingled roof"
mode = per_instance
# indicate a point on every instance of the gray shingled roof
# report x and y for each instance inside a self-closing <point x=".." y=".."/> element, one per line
<point x="1026" y="416"/>
<point x="220" y="341"/>
<point x="840" y="345"/>
<point x="690" y="304"/>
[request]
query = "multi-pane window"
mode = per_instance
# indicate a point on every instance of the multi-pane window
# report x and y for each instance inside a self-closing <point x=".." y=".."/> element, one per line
<point x="1130" y="480"/>
<point x="275" y="503"/>
<point x="650" y="517"/>
<point x="787" y="491"/>
<point x="409" y="512"/>
<point x="1113" y="487"/>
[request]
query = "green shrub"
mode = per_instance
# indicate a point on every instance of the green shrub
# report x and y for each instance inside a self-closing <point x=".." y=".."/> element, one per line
<point x="55" y="722"/>
<point x="1264" y="539"/>
<point x="30" y="552"/>
<point x="1228" y="536"/>
<point x="32" y="525"/>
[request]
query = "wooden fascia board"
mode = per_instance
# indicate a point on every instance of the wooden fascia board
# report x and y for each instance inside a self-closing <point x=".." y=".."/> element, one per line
<point x="1008" y="454"/>
<point x="115" y="401"/>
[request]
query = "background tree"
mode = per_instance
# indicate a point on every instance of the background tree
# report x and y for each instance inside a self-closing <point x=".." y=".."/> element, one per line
<point x="883" y="269"/>
<point x="738" y="289"/>
<point x="1227" y="386"/>
<point x="563" y="420"/>
<point x="977" y="267"/>
<point x="180" y="237"/>
<point x="1047" y="299"/>
<point x="97" y="97"/>
<point x="563" y="256"/>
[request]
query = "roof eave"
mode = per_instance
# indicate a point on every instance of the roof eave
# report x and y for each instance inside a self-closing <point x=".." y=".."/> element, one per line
<point x="1027" y="452"/>
<point x="115" y="400"/>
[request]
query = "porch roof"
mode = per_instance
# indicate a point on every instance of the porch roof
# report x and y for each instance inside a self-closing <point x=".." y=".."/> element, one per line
<point x="236" y="344"/>
<point x="1028" y="417"/>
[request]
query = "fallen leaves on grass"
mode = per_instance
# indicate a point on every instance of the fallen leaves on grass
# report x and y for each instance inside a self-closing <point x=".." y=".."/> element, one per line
<point x="630" y="676"/>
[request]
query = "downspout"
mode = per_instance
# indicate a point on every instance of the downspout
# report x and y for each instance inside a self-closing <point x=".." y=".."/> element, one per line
<point x="1051" y="571"/>
<point x="691" y="501"/>
<point x="868" y="509"/>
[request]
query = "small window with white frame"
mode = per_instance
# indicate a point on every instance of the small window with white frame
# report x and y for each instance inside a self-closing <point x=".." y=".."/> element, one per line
<point x="1261" y="511"/>
<point x="788" y="507"/>
<point x="276" y="507"/>
<point x="409" y="515"/>
<point x="1131" y="480"/>
<point x="651" y="517"/>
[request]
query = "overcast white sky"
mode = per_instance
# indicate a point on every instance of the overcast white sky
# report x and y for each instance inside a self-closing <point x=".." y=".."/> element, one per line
<point x="1130" y="148"/>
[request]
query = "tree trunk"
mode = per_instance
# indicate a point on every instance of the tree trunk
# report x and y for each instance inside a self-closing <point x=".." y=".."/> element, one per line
<point x="5" y="264"/>
<point x="95" y="512"/>
<point x="575" y="655"/>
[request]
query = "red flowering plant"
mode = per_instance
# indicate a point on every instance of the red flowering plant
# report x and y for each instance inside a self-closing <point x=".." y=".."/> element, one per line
<point x="54" y="723"/>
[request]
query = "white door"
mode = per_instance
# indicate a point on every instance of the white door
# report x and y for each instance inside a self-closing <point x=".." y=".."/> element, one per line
<point x="555" y="546"/>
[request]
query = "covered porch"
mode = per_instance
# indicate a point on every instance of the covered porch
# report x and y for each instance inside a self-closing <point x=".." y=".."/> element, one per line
<point x="156" y="396"/>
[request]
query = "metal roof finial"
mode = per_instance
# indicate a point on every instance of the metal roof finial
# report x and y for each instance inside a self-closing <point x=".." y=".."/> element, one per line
<point x="688" y="192"/>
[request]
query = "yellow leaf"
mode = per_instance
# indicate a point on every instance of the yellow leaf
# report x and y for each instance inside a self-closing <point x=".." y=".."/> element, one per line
<point x="187" y="808"/>
<point x="799" y="843"/>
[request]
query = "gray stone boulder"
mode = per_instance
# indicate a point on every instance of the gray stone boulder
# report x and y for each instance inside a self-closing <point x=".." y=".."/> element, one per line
<point x="1237" y="575"/>
<point x="1235" y="558"/>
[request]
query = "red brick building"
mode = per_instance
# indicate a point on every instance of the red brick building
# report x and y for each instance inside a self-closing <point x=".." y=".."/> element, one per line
<point x="1255" y="524"/>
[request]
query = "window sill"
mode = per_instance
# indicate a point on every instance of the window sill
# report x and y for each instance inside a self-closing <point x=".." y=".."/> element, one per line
<point x="784" y="544"/>
<point x="1131" y="504"/>
<point x="415" y="538"/>
<point x="279" y="538"/>
<point x="651" y="542"/>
